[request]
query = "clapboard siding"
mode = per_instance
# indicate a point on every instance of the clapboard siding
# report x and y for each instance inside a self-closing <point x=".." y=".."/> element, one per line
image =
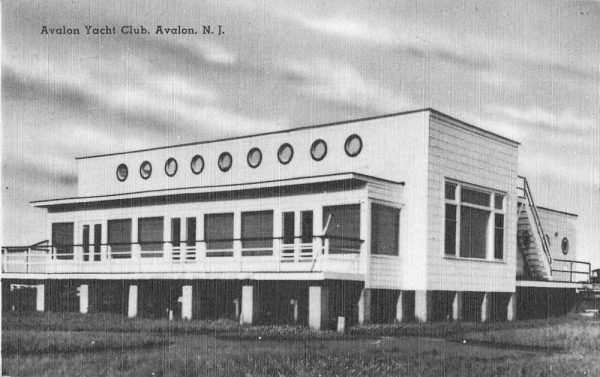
<point x="460" y="153"/>
<point x="558" y="225"/>
<point x="385" y="272"/>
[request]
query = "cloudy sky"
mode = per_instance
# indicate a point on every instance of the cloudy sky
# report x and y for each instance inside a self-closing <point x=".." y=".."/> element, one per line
<point x="529" y="70"/>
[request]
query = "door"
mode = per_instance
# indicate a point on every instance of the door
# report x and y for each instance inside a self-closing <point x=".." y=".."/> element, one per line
<point x="91" y="241"/>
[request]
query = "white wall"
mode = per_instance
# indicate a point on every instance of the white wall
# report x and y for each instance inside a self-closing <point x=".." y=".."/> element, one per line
<point x="464" y="154"/>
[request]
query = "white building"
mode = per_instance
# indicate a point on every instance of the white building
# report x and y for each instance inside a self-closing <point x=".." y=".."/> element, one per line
<point x="402" y="216"/>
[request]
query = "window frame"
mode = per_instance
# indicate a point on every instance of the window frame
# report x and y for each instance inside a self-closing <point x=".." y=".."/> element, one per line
<point x="490" y="252"/>
<point x="171" y="159"/>
<point x="145" y="163"/>
<point x="398" y="210"/>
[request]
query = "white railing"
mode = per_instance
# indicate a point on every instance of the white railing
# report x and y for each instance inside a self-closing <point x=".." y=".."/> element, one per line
<point x="323" y="254"/>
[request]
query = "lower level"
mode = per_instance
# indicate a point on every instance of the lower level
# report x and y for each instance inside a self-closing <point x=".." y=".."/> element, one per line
<point x="317" y="304"/>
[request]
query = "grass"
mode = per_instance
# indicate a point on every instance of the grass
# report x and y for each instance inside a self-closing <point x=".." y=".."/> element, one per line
<point x="48" y="344"/>
<point x="34" y="342"/>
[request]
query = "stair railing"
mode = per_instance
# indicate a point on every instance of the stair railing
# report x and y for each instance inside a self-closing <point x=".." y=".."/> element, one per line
<point x="536" y="220"/>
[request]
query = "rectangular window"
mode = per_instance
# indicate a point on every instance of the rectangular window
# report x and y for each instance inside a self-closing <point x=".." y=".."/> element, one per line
<point x="86" y="243"/>
<point x="343" y="232"/>
<point x="467" y="222"/>
<point x="97" y="241"/>
<point x="150" y="236"/>
<point x="450" y="242"/>
<point x="257" y="233"/>
<point x="191" y="231"/>
<point x="499" y="236"/>
<point x="176" y="232"/>
<point x="385" y="226"/>
<point x="474" y="197"/>
<point x="218" y="233"/>
<point x="119" y="238"/>
<point x="288" y="228"/>
<point x="307" y="226"/>
<point x="62" y="238"/>
<point x="450" y="191"/>
<point x="473" y="232"/>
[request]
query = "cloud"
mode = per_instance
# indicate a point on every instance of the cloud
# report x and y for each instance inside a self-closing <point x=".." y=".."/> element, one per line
<point x="565" y="120"/>
<point x="342" y="83"/>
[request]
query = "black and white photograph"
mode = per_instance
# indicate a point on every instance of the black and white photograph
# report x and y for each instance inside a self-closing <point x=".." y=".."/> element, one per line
<point x="300" y="188"/>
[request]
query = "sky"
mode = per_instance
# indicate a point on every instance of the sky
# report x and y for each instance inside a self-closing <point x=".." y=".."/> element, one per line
<point x="528" y="70"/>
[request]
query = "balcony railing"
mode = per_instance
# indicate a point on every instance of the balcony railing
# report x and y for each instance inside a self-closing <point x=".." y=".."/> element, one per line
<point x="571" y="271"/>
<point x="323" y="254"/>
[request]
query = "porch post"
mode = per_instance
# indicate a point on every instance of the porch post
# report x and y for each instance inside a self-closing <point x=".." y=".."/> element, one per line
<point x="318" y="307"/>
<point x="40" y="297"/>
<point x="364" y="306"/>
<point x="511" y="310"/>
<point x="186" y="302"/>
<point x="83" y="292"/>
<point x="132" y="308"/>
<point x="457" y="306"/>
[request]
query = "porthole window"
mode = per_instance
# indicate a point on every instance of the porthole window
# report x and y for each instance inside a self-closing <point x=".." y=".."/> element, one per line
<point x="146" y="169"/>
<point x="318" y="149"/>
<point x="171" y="167"/>
<point x="225" y="161"/>
<point x="565" y="245"/>
<point x="122" y="172"/>
<point x="285" y="153"/>
<point x="353" y="145"/>
<point x="197" y="164"/>
<point x="254" y="157"/>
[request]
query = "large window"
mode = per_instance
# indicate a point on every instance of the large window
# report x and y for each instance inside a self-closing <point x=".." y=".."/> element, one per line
<point x="218" y="233"/>
<point x="343" y="231"/>
<point x="119" y="238"/>
<point x="257" y="233"/>
<point x="385" y="225"/>
<point x="62" y="239"/>
<point x="150" y="236"/>
<point x="474" y="221"/>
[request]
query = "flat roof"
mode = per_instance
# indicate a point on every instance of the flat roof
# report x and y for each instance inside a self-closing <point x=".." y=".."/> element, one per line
<point x="428" y="109"/>
<point x="557" y="211"/>
<point x="213" y="188"/>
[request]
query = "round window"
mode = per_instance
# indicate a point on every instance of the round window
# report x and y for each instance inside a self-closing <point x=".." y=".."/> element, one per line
<point x="254" y="157"/>
<point x="146" y="169"/>
<point x="171" y="167"/>
<point x="285" y="153"/>
<point x="353" y="145"/>
<point x="318" y="150"/>
<point x="122" y="172"/>
<point x="197" y="164"/>
<point x="564" y="245"/>
<point x="225" y="161"/>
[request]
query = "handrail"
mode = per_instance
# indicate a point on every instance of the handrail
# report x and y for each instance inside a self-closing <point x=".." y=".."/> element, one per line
<point x="536" y="220"/>
<point x="571" y="271"/>
<point x="91" y="245"/>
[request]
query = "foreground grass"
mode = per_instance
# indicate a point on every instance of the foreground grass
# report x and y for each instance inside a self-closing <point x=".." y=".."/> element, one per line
<point x="46" y="344"/>
<point x="34" y="342"/>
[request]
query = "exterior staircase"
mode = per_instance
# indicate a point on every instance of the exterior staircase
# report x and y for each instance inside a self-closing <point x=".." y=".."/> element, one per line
<point x="531" y="241"/>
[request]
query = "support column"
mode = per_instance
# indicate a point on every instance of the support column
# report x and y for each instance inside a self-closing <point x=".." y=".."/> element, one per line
<point x="40" y="298"/>
<point x="486" y="307"/>
<point x="457" y="306"/>
<point x="511" y="310"/>
<point x="132" y="308"/>
<point x="421" y="306"/>
<point x="318" y="307"/>
<point x="250" y="305"/>
<point x="186" y="302"/>
<point x="400" y="307"/>
<point x="84" y="301"/>
<point x="364" y="306"/>
<point x="294" y="303"/>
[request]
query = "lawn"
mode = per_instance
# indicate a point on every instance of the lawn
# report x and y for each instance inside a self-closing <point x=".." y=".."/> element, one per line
<point x="43" y="345"/>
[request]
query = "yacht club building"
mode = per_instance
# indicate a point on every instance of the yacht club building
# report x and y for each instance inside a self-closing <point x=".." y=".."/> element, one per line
<point x="413" y="215"/>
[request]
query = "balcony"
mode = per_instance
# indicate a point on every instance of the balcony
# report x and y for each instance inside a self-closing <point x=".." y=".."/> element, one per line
<point x="338" y="255"/>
